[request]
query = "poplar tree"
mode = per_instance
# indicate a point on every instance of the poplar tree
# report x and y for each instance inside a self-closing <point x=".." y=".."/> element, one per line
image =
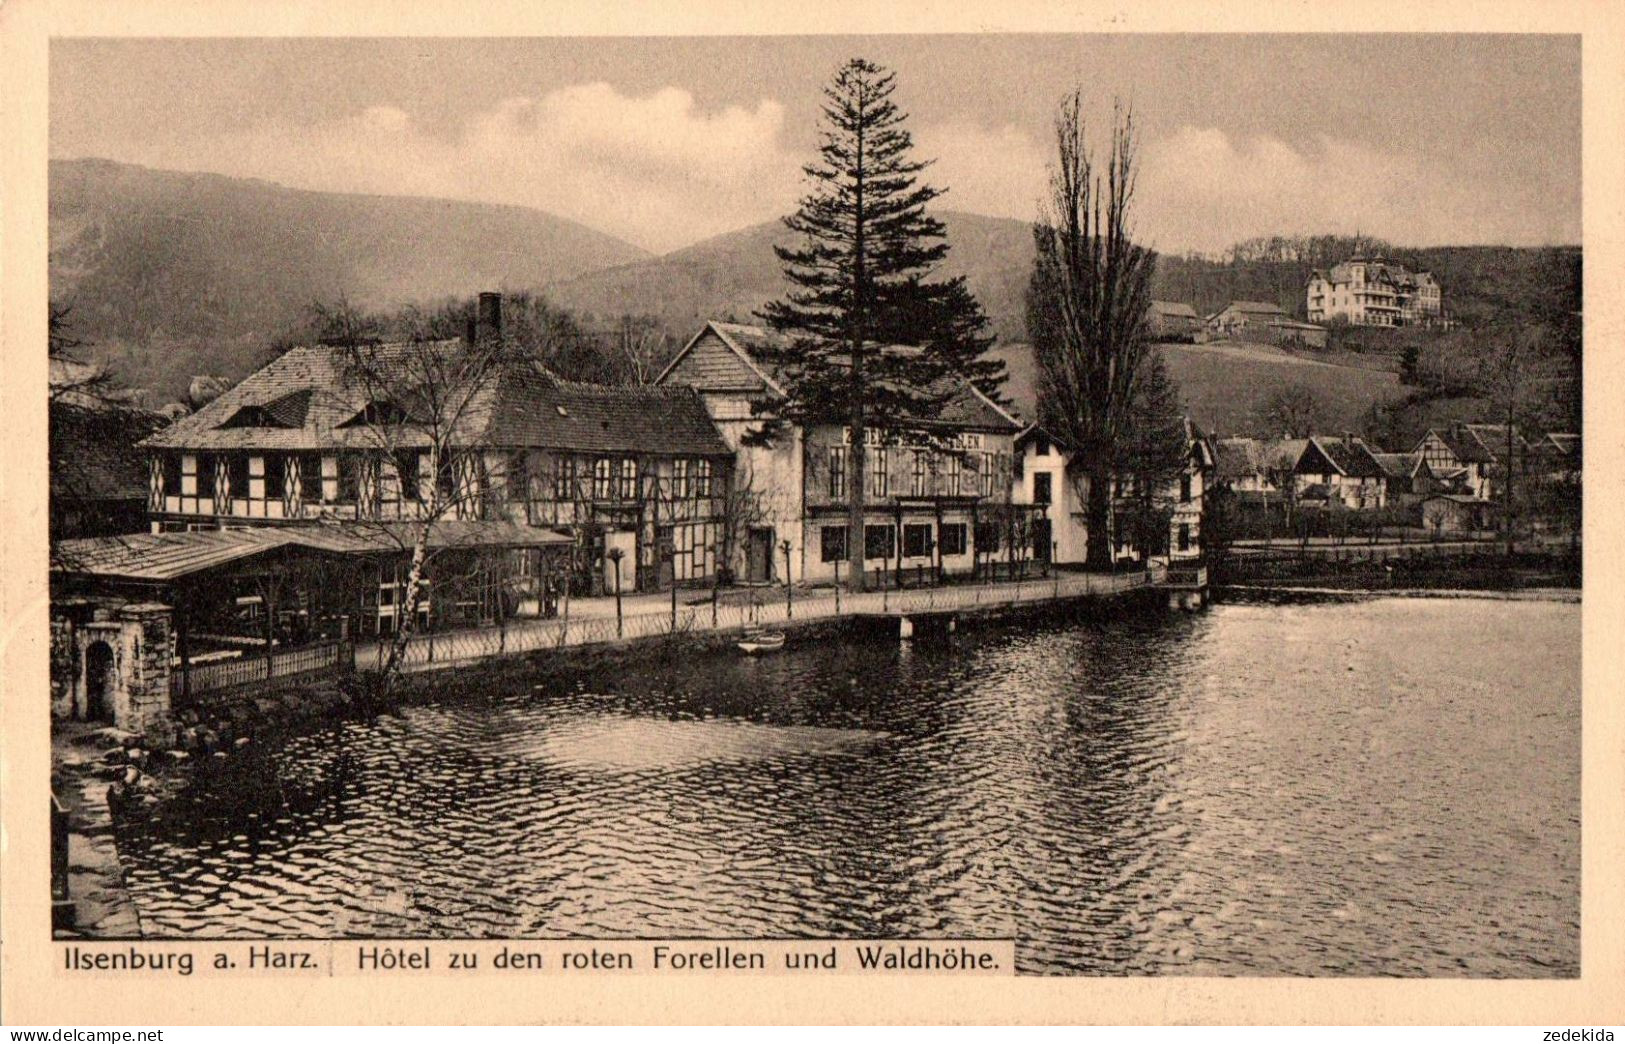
<point x="1086" y="309"/>
<point x="871" y="340"/>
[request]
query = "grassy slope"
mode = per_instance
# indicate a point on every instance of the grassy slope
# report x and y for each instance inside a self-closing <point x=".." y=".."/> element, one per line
<point x="1226" y="384"/>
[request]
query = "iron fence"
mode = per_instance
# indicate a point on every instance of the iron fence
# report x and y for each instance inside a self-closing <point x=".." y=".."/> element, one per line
<point x="434" y="650"/>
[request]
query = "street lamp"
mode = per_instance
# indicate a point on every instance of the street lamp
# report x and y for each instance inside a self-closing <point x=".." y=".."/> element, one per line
<point x="789" y="589"/>
<point x="615" y="556"/>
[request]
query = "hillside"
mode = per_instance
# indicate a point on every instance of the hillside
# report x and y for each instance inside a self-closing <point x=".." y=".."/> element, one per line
<point x="172" y="274"/>
<point x="1226" y="384"/>
<point x="736" y="273"/>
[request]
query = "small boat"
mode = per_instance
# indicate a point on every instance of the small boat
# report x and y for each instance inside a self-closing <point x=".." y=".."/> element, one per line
<point x="761" y="641"/>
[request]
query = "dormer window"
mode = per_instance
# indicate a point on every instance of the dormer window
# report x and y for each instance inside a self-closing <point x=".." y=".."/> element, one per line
<point x="287" y="411"/>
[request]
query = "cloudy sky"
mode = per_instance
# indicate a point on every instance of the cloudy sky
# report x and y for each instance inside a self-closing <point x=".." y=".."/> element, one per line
<point x="1418" y="139"/>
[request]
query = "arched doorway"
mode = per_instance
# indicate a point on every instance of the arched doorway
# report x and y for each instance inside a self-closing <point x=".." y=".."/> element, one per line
<point x="99" y="682"/>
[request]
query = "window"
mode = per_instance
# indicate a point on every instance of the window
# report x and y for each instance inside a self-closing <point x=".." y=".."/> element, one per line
<point x="205" y="475"/>
<point x="952" y="463"/>
<point x="445" y="479"/>
<point x="918" y="484"/>
<point x="408" y="473"/>
<point x="276" y="476"/>
<point x="879" y="480"/>
<point x="951" y="537"/>
<point x="987" y="537"/>
<point x="837" y="472"/>
<point x="626" y="485"/>
<point x="679" y="479"/>
<point x="1184" y="536"/>
<point x="1185" y="488"/>
<point x="600" y="479"/>
<point x="1041" y="447"/>
<point x="702" y="479"/>
<point x="564" y="479"/>
<point x="832" y="544"/>
<point x="349" y="478"/>
<point x="172" y="474"/>
<point x="516" y="485"/>
<point x="310" y="477"/>
<point x="990" y="473"/>
<point x="1043" y="491"/>
<point x="879" y="541"/>
<point x="916" y="541"/>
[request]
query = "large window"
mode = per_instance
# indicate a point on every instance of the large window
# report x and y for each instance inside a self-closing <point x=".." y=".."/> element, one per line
<point x="951" y="537"/>
<point x="1043" y="491"/>
<point x="276" y="476"/>
<point x="626" y="480"/>
<point x="987" y="537"/>
<point x="236" y="476"/>
<point x="837" y="472"/>
<point x="702" y="479"/>
<point x="919" y="474"/>
<point x="916" y="541"/>
<point x="172" y="474"/>
<point x="564" y="479"/>
<point x="879" y="479"/>
<point x="952" y="463"/>
<point x="1185" y="488"/>
<point x="879" y="542"/>
<point x="205" y="475"/>
<point x="349" y="478"/>
<point x="408" y="474"/>
<point x="679" y="478"/>
<point x="600" y="478"/>
<point x="989" y="472"/>
<point x="1184" y="537"/>
<point x="310" y="477"/>
<point x="832" y="544"/>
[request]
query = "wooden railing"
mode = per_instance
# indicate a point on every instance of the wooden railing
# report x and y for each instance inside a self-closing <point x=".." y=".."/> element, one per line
<point x="257" y="670"/>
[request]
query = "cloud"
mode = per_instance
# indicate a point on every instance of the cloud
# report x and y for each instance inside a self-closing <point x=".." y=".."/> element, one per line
<point x="1202" y="189"/>
<point x="656" y="170"/>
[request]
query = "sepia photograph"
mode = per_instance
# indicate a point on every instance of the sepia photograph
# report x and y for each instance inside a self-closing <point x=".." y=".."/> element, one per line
<point x="1115" y="495"/>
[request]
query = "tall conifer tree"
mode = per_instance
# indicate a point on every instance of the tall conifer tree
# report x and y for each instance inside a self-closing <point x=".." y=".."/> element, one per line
<point x="861" y="287"/>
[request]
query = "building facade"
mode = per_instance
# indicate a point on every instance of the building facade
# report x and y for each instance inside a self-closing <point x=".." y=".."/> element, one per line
<point x="938" y="492"/>
<point x="1374" y="292"/>
<point x="639" y="471"/>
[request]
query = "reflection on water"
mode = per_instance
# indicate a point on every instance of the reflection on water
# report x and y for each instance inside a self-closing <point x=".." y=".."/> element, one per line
<point x="1387" y="787"/>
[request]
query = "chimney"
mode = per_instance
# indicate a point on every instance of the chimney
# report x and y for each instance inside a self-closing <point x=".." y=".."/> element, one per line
<point x="490" y="317"/>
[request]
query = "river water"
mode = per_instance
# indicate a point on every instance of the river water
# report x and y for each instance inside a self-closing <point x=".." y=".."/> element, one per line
<point x="1376" y="787"/>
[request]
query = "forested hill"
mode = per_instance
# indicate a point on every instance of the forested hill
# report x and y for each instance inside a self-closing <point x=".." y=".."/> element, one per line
<point x="171" y="274"/>
<point x="1478" y="281"/>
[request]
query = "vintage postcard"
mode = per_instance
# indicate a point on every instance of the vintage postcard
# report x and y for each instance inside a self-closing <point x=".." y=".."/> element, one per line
<point x="746" y="515"/>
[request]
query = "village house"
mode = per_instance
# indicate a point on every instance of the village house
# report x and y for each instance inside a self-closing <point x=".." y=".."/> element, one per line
<point x="1469" y="457"/>
<point x="1339" y="471"/>
<point x="1174" y="321"/>
<point x="1374" y="292"/>
<point x="1408" y="477"/>
<point x="1264" y="322"/>
<point x="638" y="471"/>
<point x="1256" y="468"/>
<point x="937" y="496"/>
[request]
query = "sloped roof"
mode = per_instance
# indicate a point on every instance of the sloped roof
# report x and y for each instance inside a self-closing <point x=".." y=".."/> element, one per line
<point x="1353" y="457"/>
<point x="523" y="405"/>
<point x="165" y="557"/>
<point x="94" y="452"/>
<point x="1255" y="307"/>
<point x="965" y="407"/>
<point x="1398" y="465"/>
<point x="1241" y="457"/>
<point x="1174" y="309"/>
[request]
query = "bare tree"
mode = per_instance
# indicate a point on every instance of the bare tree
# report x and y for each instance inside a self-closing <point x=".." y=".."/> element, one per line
<point x="1087" y="304"/>
<point x="743" y="507"/>
<point x="642" y="347"/>
<point x="418" y="404"/>
<point x="1295" y="411"/>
